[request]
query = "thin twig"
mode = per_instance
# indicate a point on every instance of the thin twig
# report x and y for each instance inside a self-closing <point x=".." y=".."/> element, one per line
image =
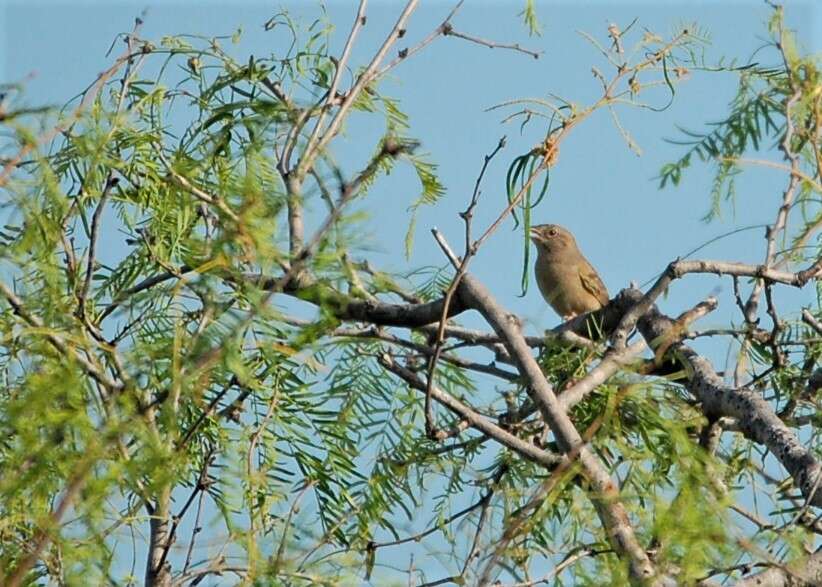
<point x="407" y="52"/>
<point x="359" y="22"/>
<point x="811" y="321"/>
<point x="365" y="78"/>
<point x="59" y="342"/>
<point x="89" y="96"/>
<point x="451" y="32"/>
<point x="194" y="190"/>
<point x="44" y="535"/>
<point x="475" y="420"/>
<point x="91" y="261"/>
<point x="480" y="503"/>
<point x="678" y="268"/>
<point x="467" y="216"/>
<point x="520" y="516"/>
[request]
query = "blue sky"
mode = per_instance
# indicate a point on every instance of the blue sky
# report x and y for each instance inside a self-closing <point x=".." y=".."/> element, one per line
<point x="607" y="195"/>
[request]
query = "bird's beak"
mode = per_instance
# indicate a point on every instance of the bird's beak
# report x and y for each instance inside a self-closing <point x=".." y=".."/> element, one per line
<point x="535" y="235"/>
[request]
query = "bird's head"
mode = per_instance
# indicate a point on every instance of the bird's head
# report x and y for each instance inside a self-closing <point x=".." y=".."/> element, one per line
<point x="552" y="238"/>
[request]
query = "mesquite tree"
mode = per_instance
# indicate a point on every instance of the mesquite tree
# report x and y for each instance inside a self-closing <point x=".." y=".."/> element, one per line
<point x="243" y="393"/>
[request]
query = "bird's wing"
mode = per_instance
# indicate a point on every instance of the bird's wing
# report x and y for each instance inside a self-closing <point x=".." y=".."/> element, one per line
<point x="593" y="284"/>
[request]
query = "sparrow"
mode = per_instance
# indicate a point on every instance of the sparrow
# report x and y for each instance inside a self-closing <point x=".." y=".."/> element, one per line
<point x="568" y="282"/>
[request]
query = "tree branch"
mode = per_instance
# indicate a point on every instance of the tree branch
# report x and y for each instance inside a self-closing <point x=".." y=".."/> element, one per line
<point x="799" y="573"/>
<point x="757" y="420"/>
<point x="605" y="494"/>
<point x="59" y="342"/>
<point x="678" y="269"/>
<point x="450" y="32"/>
<point x="809" y="319"/>
<point x="474" y="419"/>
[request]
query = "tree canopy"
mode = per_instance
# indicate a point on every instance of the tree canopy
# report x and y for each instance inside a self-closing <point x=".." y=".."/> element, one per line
<point x="206" y="376"/>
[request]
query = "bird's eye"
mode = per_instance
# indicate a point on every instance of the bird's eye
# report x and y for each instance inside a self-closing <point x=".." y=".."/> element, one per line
<point x="552" y="232"/>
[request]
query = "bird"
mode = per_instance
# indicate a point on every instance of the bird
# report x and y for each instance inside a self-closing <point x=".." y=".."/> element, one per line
<point x="568" y="282"/>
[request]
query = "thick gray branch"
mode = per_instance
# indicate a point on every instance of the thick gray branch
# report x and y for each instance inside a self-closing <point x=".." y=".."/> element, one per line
<point x="158" y="570"/>
<point x="804" y="573"/>
<point x="757" y="420"/>
<point x="605" y="493"/>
